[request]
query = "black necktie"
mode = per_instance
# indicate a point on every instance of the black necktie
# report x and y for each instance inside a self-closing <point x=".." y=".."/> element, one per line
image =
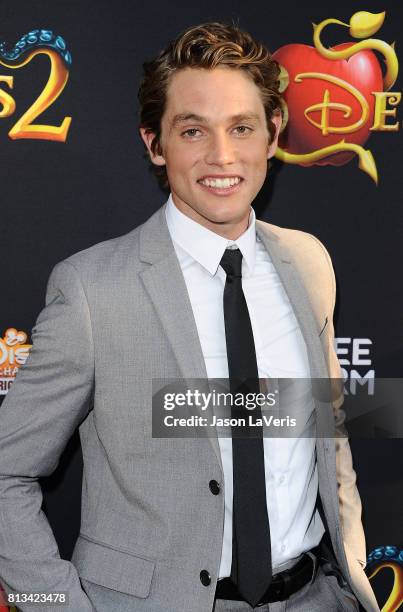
<point x="251" y="569"/>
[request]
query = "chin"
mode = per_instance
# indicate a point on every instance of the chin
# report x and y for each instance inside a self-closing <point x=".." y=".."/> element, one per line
<point x="222" y="216"/>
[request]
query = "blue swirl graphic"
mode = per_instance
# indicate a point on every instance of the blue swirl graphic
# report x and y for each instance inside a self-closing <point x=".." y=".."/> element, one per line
<point x="384" y="553"/>
<point x="34" y="40"/>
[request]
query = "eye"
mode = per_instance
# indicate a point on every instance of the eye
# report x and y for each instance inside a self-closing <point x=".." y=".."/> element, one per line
<point x="242" y="129"/>
<point x="190" y="133"/>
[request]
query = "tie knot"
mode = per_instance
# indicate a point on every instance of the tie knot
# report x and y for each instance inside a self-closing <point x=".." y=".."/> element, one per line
<point x="231" y="262"/>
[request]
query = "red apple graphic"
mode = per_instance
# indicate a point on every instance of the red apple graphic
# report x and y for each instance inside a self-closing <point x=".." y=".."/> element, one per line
<point x="361" y="71"/>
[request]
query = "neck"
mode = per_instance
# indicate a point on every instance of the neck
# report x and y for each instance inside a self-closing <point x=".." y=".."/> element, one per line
<point x="231" y="230"/>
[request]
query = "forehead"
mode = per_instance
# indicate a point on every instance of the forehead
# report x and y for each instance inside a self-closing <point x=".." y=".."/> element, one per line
<point x="212" y="93"/>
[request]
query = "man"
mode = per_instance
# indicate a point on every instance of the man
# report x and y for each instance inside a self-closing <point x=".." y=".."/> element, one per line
<point x="200" y="290"/>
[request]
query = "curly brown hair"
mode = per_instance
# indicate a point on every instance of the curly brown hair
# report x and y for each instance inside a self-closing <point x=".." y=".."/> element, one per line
<point x="206" y="46"/>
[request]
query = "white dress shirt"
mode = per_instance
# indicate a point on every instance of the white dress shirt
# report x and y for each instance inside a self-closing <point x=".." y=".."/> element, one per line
<point x="290" y="463"/>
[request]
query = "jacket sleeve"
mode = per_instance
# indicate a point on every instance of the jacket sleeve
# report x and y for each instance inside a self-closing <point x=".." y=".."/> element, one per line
<point x="51" y="396"/>
<point x="350" y="507"/>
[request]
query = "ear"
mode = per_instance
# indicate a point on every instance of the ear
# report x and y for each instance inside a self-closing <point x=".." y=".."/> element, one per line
<point x="277" y="120"/>
<point x="148" y="138"/>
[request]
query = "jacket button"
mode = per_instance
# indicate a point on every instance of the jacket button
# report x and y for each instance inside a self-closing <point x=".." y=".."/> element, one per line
<point x="214" y="487"/>
<point x="205" y="578"/>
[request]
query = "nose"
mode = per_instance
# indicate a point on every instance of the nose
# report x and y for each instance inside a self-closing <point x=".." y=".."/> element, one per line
<point x="220" y="150"/>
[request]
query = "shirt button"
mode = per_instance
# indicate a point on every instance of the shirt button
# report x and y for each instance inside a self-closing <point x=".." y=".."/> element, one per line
<point x="205" y="578"/>
<point x="214" y="487"/>
<point x="281" y="479"/>
<point x="282" y="547"/>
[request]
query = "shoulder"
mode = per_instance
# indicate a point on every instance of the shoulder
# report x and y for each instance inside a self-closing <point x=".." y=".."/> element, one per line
<point x="307" y="253"/>
<point x="103" y="260"/>
<point x="98" y="254"/>
<point x="297" y="242"/>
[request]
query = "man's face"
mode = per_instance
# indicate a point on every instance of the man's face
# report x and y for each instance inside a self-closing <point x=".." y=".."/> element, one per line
<point x="215" y="145"/>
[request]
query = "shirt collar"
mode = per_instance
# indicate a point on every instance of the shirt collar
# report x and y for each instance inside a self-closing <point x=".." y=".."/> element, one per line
<point x="207" y="247"/>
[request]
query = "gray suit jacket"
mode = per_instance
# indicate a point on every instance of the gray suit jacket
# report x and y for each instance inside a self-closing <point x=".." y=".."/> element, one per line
<point x="118" y="315"/>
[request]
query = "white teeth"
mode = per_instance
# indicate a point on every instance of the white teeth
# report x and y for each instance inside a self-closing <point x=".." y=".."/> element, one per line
<point x="221" y="183"/>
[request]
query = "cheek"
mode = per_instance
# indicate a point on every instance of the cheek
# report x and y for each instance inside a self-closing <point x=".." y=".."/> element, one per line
<point x="181" y="160"/>
<point x="257" y="153"/>
<point x="258" y="164"/>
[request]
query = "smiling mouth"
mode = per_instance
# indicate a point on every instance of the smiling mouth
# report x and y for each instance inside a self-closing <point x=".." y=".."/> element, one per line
<point x="220" y="182"/>
<point x="224" y="182"/>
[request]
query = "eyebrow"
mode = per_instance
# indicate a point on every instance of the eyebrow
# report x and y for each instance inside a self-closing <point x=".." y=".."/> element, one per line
<point x="184" y="117"/>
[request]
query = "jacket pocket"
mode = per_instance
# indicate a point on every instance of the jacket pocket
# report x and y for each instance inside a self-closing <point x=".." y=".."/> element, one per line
<point x="114" y="569"/>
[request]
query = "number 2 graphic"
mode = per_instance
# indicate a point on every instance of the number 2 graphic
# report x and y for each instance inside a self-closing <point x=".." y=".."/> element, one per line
<point x="29" y="45"/>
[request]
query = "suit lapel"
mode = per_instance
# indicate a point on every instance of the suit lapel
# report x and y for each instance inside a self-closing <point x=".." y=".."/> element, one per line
<point x="298" y="296"/>
<point x="166" y="287"/>
<point x="299" y="299"/>
<point x="301" y="304"/>
<point x="164" y="282"/>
